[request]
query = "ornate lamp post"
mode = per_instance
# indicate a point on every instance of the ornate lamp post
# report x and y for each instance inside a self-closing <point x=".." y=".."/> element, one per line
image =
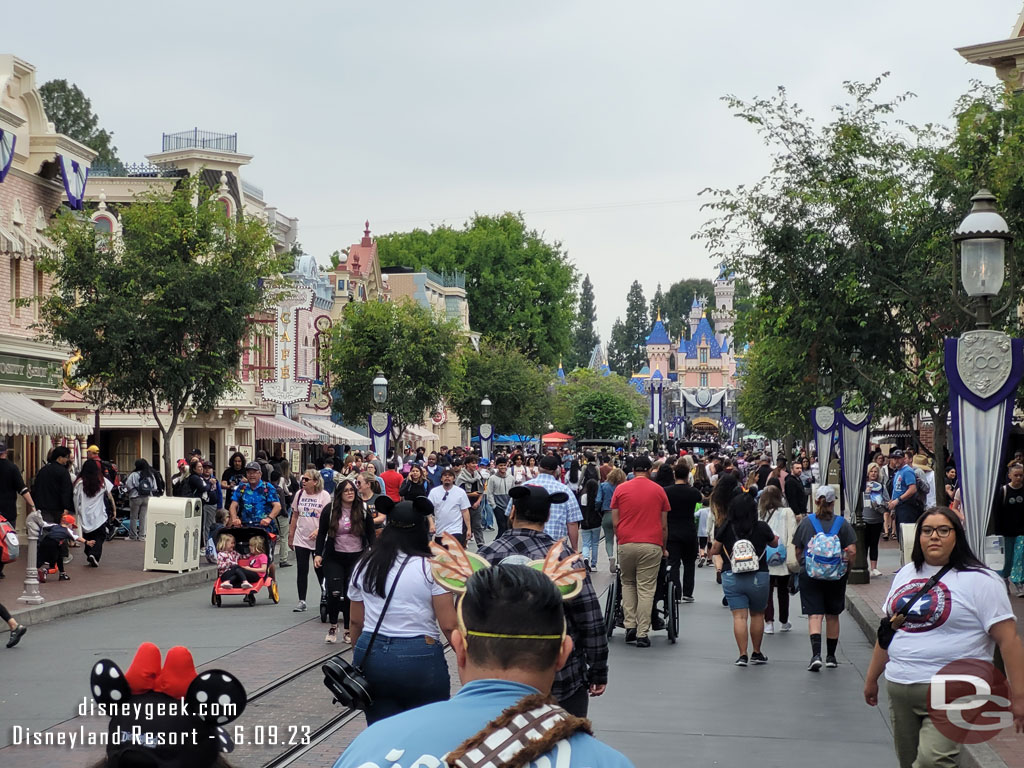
<point x="486" y="431"/>
<point x="983" y="236"/>
<point x="380" y="421"/>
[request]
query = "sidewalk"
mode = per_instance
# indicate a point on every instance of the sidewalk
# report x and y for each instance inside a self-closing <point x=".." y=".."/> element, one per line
<point x="119" y="579"/>
<point x="864" y="602"/>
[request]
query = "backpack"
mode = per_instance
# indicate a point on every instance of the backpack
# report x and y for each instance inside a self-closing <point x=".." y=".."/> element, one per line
<point x="824" y="557"/>
<point x="744" y="557"/>
<point x="146" y="486"/>
<point x="9" y="544"/>
<point x="775" y="555"/>
<point x="923" y="489"/>
<point x="328" y="476"/>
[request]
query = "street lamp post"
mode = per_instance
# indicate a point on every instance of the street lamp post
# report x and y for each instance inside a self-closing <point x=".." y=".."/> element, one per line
<point x="380" y="421"/>
<point x="486" y="430"/>
<point x="983" y="236"/>
<point x="629" y="435"/>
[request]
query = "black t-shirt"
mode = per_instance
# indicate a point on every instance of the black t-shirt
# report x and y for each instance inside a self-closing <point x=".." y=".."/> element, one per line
<point x="1009" y="512"/>
<point x="11" y="484"/>
<point x="761" y="536"/>
<point x="195" y="486"/>
<point x="683" y="500"/>
<point x="763" y="472"/>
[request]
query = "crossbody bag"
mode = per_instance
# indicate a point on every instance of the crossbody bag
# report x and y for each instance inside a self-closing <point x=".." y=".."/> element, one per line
<point x="888" y="625"/>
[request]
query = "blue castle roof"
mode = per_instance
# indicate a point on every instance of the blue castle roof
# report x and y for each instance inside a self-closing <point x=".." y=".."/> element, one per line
<point x="703" y="334"/>
<point x="723" y="276"/>
<point x="658" y="334"/>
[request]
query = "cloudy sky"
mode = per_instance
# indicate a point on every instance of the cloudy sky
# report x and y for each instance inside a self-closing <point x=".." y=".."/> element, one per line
<point x="601" y="121"/>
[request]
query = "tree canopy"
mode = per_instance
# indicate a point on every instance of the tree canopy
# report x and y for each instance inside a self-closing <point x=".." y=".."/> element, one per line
<point x="521" y="289"/>
<point x="71" y="113"/>
<point x="590" y="404"/>
<point x="626" y="348"/>
<point x="151" y="333"/>
<point x="585" y="336"/>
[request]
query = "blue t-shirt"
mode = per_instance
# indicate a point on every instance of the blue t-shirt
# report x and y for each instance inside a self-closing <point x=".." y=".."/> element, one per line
<point x="255" y="503"/>
<point x="903" y="479"/>
<point x="425" y="735"/>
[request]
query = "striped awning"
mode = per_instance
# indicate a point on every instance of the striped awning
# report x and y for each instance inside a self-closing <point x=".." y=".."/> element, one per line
<point x="335" y="432"/>
<point x="20" y="415"/>
<point x="282" y="430"/>
<point x="419" y="433"/>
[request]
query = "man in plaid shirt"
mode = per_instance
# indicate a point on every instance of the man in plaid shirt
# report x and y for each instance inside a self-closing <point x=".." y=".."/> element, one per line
<point x="585" y="674"/>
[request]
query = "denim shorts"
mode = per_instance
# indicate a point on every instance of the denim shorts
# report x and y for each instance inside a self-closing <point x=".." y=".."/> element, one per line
<point x="746" y="590"/>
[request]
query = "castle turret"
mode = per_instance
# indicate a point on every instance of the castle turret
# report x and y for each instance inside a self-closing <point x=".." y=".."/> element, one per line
<point x="659" y="347"/>
<point x="696" y="313"/>
<point x="724" y="314"/>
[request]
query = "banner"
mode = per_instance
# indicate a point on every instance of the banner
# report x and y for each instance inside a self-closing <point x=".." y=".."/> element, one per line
<point x="853" y="456"/>
<point x="486" y="436"/>
<point x="823" y="419"/>
<point x="380" y="433"/>
<point x="983" y="369"/>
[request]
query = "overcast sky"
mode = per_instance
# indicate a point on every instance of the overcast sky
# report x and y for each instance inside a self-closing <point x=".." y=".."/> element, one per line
<point x="601" y="121"/>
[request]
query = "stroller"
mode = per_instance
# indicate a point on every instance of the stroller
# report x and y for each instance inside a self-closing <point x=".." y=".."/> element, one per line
<point x="117" y="526"/>
<point x="242" y="538"/>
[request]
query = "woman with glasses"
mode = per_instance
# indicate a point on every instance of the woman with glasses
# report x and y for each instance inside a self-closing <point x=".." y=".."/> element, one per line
<point x="309" y="504"/>
<point x="343" y="535"/>
<point x="368" y="490"/>
<point x="961" y="618"/>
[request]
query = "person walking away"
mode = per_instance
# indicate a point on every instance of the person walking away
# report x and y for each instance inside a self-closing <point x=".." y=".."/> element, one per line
<point x="876" y="500"/>
<point x="1008" y="522"/>
<point x="392" y="481"/>
<point x="591" y="524"/>
<point x="415" y="485"/>
<point x="683" y="499"/>
<point x="640" y="516"/>
<point x="564" y="520"/>
<point x="470" y="481"/>
<point x="742" y="542"/>
<point x="141" y="485"/>
<point x="52" y="488"/>
<point x="328" y="476"/>
<point x="954" y="610"/>
<point x="585" y="673"/>
<point x="922" y="467"/>
<point x="405" y="667"/>
<point x="824" y="545"/>
<point x="498" y="486"/>
<point x="342" y="537"/>
<point x="309" y="504"/>
<point x="793" y="489"/>
<point x="451" y="509"/>
<point x="17" y="630"/>
<point x="782" y="521"/>
<point x="91" y="491"/>
<point x="11" y="487"/>
<point x="605" y="491"/>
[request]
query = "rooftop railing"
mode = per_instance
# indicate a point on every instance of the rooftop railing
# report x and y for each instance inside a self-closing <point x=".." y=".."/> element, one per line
<point x="196" y="139"/>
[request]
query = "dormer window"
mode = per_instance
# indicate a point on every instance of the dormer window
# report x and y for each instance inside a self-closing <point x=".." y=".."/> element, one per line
<point x="703" y="355"/>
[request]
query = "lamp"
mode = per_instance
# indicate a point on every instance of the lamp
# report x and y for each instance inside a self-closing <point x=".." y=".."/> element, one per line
<point x="485" y="409"/>
<point x="380" y="389"/>
<point x="983" y="236"/>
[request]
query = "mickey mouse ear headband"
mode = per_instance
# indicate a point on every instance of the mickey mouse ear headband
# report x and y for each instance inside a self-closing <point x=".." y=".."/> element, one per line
<point x="405" y="514"/>
<point x="453" y="566"/>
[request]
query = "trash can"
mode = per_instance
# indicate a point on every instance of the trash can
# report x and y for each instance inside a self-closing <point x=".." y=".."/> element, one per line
<point x="173" y="536"/>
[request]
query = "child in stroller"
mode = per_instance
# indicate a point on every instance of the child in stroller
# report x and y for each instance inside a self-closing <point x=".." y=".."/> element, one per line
<point x="233" y="573"/>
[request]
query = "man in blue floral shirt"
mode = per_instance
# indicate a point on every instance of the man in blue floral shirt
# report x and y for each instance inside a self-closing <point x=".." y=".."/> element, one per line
<point x="254" y="503"/>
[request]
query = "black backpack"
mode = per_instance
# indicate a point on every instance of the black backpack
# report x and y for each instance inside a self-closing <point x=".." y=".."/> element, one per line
<point x="147" y="484"/>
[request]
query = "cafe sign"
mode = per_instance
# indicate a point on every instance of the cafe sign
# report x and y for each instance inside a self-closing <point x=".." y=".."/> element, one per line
<point x="31" y="372"/>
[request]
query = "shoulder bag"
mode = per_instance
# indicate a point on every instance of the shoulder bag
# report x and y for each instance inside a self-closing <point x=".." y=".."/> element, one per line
<point x="347" y="681"/>
<point x="888" y="625"/>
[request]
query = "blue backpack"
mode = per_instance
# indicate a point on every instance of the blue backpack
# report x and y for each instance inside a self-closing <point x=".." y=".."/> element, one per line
<point x="328" y="476"/>
<point x="824" y="556"/>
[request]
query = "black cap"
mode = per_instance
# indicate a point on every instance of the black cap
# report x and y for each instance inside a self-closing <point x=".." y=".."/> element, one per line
<point x="642" y="464"/>
<point x="535" y="499"/>
<point x="550" y="463"/>
<point x="896" y="454"/>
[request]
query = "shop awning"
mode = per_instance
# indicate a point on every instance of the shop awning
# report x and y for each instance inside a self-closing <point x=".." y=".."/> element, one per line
<point x="337" y="433"/>
<point x="282" y="430"/>
<point x="556" y="437"/>
<point x="20" y="415"/>
<point x="419" y="433"/>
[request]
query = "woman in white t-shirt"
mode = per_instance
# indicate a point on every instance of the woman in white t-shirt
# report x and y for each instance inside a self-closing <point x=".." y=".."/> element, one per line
<point x="307" y="506"/>
<point x="405" y="667"/>
<point x="958" y="622"/>
<point x="91" y="492"/>
<point x="771" y="508"/>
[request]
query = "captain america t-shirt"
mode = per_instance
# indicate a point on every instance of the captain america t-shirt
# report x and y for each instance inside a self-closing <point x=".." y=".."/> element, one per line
<point x="949" y="623"/>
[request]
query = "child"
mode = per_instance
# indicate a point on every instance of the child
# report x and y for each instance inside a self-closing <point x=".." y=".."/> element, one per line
<point x="703" y="520"/>
<point x="236" y="574"/>
<point x="51" y="539"/>
<point x="219" y="520"/>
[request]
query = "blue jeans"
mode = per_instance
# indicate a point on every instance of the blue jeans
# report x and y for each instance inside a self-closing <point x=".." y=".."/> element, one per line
<point x="590" y="540"/>
<point x="403" y="673"/>
<point x="487" y="514"/>
<point x="746" y="591"/>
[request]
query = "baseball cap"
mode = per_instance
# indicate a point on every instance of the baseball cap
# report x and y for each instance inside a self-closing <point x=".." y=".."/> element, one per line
<point x="642" y="464"/>
<point x="196" y="452"/>
<point x="253" y="465"/>
<point x="896" y="454"/>
<point x="826" y="492"/>
<point x="92" y="449"/>
<point x="3" y="447"/>
<point x="550" y="463"/>
<point x="208" y="463"/>
<point x="182" y="463"/>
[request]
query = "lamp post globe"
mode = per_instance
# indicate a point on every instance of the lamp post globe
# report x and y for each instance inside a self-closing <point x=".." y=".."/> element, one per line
<point x="629" y="425"/>
<point x="982" y="237"/>
<point x="380" y="389"/>
<point x="485" y="409"/>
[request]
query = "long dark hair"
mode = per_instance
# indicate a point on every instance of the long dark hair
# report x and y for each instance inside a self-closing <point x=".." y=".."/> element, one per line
<point x="358" y="515"/>
<point x="91" y="477"/>
<point x="726" y="487"/>
<point x="376" y="563"/>
<point x="574" y="471"/>
<point x="665" y="476"/>
<point x="237" y="455"/>
<point x="961" y="558"/>
<point x="742" y="514"/>
<point x="143" y="468"/>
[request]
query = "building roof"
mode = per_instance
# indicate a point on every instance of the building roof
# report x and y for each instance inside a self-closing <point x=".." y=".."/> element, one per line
<point x="658" y="334"/>
<point x="724" y="277"/>
<point x="703" y="334"/>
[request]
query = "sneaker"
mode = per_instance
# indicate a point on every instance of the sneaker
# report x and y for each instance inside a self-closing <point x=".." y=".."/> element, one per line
<point x="876" y="574"/>
<point x="246" y="585"/>
<point x="611" y="565"/>
<point x="786" y="626"/>
<point x="284" y="565"/>
<point x="16" y="634"/>
<point x="225" y="585"/>
<point x="64" y="577"/>
<point x="1019" y="589"/>
<point x="300" y="607"/>
<point x="830" y="662"/>
<point x="587" y="565"/>
<point x="657" y="625"/>
<point x="769" y="627"/>
<point x="643" y="642"/>
<point x="69" y="558"/>
<point x="631" y="635"/>
<point x="815" y="664"/>
<point x="725" y="602"/>
<point x="42" y="574"/>
<point x="687" y="598"/>
<point x="332" y="635"/>
<point x="93" y="561"/>
<point x="758" y="658"/>
<point x="700" y="562"/>
<point x="742" y="661"/>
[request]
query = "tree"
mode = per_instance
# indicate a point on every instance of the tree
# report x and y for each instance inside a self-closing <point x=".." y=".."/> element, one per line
<point x="413" y="348"/>
<point x="678" y="302"/>
<point x="585" y="337"/>
<point x="521" y="289"/>
<point x="657" y="306"/>
<point x="151" y="332"/>
<point x="627" y="347"/>
<point x="517" y="386"/>
<point x="594" y="405"/>
<point x="71" y="113"/>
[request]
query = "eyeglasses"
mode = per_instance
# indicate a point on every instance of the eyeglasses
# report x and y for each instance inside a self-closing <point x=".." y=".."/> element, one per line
<point x="943" y="530"/>
<point x="304" y="479"/>
<point x="445" y="497"/>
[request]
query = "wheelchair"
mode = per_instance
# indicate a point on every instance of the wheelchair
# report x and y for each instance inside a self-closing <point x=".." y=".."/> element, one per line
<point x="666" y="594"/>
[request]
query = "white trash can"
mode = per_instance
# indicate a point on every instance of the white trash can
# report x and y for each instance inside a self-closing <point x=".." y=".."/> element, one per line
<point x="173" y="536"/>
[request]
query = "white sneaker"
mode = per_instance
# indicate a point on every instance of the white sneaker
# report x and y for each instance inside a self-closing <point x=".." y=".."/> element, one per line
<point x="1020" y="589"/>
<point x="332" y="635"/>
<point x="300" y="607"/>
<point x="876" y="574"/>
<point x="786" y="626"/>
<point x="769" y="627"/>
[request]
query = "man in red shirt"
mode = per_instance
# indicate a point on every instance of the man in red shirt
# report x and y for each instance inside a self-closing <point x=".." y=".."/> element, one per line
<point x="392" y="481"/>
<point x="640" y="517"/>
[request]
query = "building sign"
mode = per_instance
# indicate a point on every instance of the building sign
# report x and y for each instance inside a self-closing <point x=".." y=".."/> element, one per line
<point x="284" y="388"/>
<point x="31" y="372"/>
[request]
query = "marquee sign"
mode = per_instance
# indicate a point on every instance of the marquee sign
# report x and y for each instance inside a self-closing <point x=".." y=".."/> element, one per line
<point x="285" y="388"/>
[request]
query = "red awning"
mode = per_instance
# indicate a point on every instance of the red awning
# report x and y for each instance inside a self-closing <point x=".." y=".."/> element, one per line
<point x="556" y="437"/>
<point x="282" y="430"/>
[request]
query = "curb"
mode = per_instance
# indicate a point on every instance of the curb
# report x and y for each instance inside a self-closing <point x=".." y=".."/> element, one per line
<point x="971" y="755"/>
<point x="58" y="609"/>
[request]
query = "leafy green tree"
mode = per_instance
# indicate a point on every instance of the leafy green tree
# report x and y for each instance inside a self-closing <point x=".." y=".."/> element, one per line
<point x="592" y="405"/>
<point x="679" y="300"/>
<point x="627" y="348"/>
<point x="151" y="332"/>
<point x="414" y="349"/>
<point x="521" y="289"/>
<point x="71" y="113"/>
<point x="517" y="386"/>
<point x="585" y="337"/>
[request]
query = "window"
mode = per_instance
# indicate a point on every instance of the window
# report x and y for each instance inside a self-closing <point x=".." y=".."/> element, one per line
<point x="37" y="291"/>
<point x="15" y="287"/>
<point x="704" y="355"/>
<point x="103" y="225"/>
<point x="703" y="379"/>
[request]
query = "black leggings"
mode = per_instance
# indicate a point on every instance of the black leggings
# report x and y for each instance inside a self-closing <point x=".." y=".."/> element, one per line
<point x="338" y="567"/>
<point x="50" y="552"/>
<point x="872" y="532"/>
<point x="683" y="551"/>
<point x="97" y="537"/>
<point x="780" y="583"/>
<point x="3" y="613"/>
<point x="302" y="557"/>
<point x="236" y="574"/>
